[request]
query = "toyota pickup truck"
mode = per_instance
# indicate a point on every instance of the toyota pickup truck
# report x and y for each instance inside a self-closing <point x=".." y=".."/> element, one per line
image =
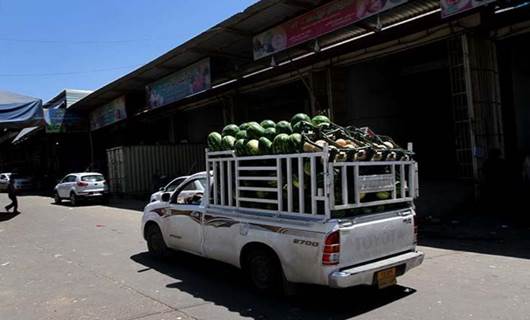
<point x="294" y="218"/>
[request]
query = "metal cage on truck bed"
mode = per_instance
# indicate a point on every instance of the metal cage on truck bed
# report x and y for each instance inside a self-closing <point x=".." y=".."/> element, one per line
<point x="306" y="184"/>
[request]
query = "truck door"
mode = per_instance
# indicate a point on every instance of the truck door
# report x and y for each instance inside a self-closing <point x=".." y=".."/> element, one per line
<point x="184" y="224"/>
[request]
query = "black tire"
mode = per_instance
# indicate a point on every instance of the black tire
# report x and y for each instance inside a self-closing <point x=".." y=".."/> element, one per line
<point x="155" y="242"/>
<point x="73" y="199"/>
<point x="264" y="270"/>
<point x="56" y="198"/>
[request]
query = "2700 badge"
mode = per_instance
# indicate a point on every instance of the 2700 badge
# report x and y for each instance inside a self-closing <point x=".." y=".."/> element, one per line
<point x="305" y="242"/>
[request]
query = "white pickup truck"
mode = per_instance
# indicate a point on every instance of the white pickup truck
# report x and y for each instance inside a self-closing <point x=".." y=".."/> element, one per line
<point x="294" y="218"/>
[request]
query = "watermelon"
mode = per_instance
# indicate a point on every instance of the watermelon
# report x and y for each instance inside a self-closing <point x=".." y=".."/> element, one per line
<point x="214" y="141"/>
<point x="265" y="146"/>
<point x="240" y="147"/>
<point x="323" y="125"/>
<point x="244" y="126"/>
<point x="296" y="142"/>
<point x="255" y="131"/>
<point x="242" y="134"/>
<point x="270" y="133"/>
<point x="299" y="117"/>
<point x="383" y="195"/>
<point x="230" y="130"/>
<point x="228" y="143"/>
<point x="307" y="168"/>
<point x="302" y="126"/>
<point x="253" y="147"/>
<point x="320" y="119"/>
<point x="281" y="144"/>
<point x="284" y="127"/>
<point x="268" y="124"/>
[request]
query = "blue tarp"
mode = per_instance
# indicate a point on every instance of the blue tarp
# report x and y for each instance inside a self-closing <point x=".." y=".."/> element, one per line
<point x="17" y="111"/>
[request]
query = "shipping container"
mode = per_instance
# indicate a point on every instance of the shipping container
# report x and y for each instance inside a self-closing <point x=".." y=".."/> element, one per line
<point x="133" y="170"/>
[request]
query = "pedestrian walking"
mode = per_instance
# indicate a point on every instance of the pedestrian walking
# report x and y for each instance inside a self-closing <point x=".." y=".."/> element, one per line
<point x="12" y="194"/>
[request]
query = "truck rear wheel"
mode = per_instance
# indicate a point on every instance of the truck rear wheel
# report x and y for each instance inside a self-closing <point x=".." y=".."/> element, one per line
<point x="155" y="242"/>
<point x="264" y="270"/>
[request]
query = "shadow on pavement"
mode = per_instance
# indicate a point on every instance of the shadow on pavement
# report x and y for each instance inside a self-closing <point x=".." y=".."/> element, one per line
<point x="488" y="234"/>
<point x="6" y="216"/>
<point x="133" y="205"/>
<point x="223" y="285"/>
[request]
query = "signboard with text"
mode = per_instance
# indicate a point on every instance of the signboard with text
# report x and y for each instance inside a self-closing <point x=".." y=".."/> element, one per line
<point x="451" y="7"/>
<point x="61" y="120"/>
<point x="108" y="114"/>
<point x="320" y="21"/>
<point x="179" y="85"/>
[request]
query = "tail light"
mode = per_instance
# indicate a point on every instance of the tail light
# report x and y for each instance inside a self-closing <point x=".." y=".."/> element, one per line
<point x="82" y="184"/>
<point x="331" y="255"/>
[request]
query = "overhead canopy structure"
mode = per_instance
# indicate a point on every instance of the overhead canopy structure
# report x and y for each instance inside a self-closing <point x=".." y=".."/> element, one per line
<point x="18" y="111"/>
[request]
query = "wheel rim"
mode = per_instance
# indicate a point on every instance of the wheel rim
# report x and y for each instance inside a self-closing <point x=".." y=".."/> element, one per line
<point x="72" y="199"/>
<point x="261" y="272"/>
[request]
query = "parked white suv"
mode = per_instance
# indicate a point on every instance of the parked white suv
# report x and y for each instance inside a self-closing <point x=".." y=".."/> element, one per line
<point x="21" y="183"/>
<point x="77" y="186"/>
<point x="170" y="187"/>
<point x="4" y="180"/>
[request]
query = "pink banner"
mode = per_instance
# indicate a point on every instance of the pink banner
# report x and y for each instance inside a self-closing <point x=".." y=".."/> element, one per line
<point x="320" y="21"/>
<point x="451" y="7"/>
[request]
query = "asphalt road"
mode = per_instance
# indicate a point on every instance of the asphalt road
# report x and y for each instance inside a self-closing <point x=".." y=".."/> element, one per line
<point x="90" y="262"/>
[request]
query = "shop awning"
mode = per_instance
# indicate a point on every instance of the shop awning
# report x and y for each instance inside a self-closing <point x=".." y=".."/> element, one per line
<point x="26" y="133"/>
<point x="17" y="111"/>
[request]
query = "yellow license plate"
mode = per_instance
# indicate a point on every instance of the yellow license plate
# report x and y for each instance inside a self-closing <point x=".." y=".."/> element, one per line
<point x="386" y="278"/>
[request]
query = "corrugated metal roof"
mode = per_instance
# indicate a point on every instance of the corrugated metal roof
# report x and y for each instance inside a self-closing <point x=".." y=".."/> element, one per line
<point x="232" y="40"/>
<point x="70" y="96"/>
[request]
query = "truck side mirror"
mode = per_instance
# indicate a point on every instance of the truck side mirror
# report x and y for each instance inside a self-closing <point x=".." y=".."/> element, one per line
<point x="165" y="197"/>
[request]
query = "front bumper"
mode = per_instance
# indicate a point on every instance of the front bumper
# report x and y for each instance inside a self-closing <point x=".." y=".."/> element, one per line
<point x="364" y="274"/>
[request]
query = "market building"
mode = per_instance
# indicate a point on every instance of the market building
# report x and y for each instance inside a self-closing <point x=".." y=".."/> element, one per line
<point x="451" y="77"/>
<point x="51" y="148"/>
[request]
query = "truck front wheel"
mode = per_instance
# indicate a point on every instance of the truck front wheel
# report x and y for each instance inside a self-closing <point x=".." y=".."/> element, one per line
<point x="155" y="242"/>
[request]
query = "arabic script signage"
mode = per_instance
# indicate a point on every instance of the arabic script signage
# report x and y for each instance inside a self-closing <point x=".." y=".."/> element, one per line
<point x="451" y="7"/>
<point x="320" y="21"/>
<point x="108" y="114"/>
<point x="179" y="85"/>
<point x="61" y="120"/>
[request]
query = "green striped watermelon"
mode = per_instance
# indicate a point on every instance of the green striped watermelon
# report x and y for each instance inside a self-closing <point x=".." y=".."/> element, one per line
<point x="214" y="141"/>
<point x="242" y="134"/>
<point x="253" y="147"/>
<point x="230" y="130"/>
<point x="265" y="146"/>
<point x="268" y="124"/>
<point x="284" y="127"/>
<point x="299" y="117"/>
<point x="255" y="131"/>
<point x="270" y="133"/>
<point x="228" y="143"/>
<point x="280" y="145"/>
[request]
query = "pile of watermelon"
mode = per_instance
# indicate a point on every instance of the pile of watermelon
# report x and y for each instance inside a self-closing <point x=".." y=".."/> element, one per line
<point x="305" y="134"/>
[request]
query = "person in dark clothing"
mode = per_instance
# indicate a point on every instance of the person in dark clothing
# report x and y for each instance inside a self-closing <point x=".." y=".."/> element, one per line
<point x="12" y="194"/>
